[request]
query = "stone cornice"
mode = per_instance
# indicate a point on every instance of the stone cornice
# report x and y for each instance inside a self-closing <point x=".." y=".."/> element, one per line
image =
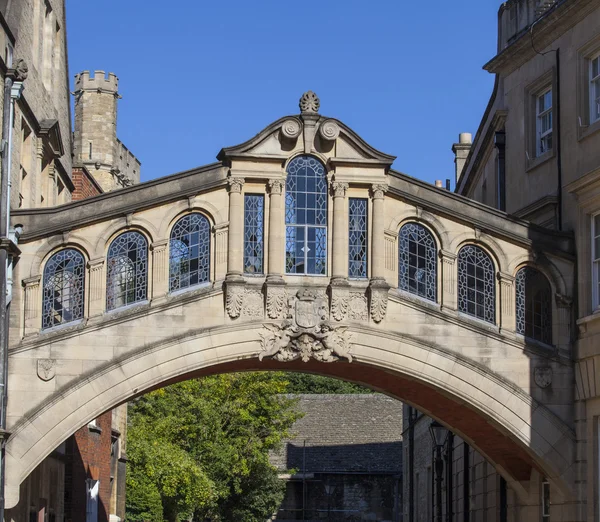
<point x="38" y="223"/>
<point x="546" y="29"/>
<point x="474" y="214"/>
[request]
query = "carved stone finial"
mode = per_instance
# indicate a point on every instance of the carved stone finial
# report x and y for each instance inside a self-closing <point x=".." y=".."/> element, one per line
<point x="309" y="102"/>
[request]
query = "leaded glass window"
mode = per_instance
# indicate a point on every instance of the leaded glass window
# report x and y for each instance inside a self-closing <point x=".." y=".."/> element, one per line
<point x="417" y="261"/>
<point x="64" y="280"/>
<point x="534" y="305"/>
<point x="306" y="217"/>
<point x="189" y="252"/>
<point x="476" y="285"/>
<point x="127" y="270"/>
<point x="254" y="205"/>
<point x="357" y="240"/>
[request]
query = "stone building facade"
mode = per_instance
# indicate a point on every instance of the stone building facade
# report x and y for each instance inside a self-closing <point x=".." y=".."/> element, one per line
<point x="45" y="172"/>
<point x="346" y="458"/>
<point x="536" y="155"/>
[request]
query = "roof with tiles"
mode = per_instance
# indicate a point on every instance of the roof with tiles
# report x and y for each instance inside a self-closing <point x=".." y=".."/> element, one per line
<point x="345" y="434"/>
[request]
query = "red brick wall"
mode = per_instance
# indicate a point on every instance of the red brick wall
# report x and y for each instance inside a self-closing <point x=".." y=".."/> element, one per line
<point x="84" y="185"/>
<point x="88" y="456"/>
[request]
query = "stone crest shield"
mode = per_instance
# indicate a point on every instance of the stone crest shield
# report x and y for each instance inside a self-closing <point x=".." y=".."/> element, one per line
<point x="309" y="309"/>
<point x="46" y="369"/>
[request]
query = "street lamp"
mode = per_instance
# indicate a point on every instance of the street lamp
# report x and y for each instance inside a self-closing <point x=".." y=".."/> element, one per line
<point x="438" y="434"/>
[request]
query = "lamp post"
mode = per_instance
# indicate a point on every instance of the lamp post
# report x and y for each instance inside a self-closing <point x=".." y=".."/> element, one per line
<point x="438" y="435"/>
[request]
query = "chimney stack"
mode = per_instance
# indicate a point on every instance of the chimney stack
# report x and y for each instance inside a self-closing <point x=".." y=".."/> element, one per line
<point x="438" y="183"/>
<point x="461" y="151"/>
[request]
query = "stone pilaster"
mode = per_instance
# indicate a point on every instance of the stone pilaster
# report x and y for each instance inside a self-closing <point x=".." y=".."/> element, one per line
<point x="448" y="297"/>
<point x="340" y="232"/>
<point x="97" y="287"/>
<point x="33" y="304"/>
<point x="378" y="287"/>
<point x="275" y="253"/>
<point x="235" y="260"/>
<point x="563" y="335"/>
<point x="221" y="243"/>
<point x="160" y="268"/>
<point x="507" y="302"/>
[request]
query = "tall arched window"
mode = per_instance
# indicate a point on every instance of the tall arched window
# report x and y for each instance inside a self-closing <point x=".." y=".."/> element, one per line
<point x="126" y="270"/>
<point x="417" y="261"/>
<point x="534" y="305"/>
<point x="476" y="285"/>
<point x="189" y="252"/>
<point x="306" y="217"/>
<point x="64" y="280"/>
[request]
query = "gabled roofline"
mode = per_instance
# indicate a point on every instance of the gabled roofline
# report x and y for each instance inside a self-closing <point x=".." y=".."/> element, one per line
<point x="239" y="151"/>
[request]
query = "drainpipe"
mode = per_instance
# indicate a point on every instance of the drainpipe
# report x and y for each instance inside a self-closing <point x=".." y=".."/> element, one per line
<point x="558" y="148"/>
<point x="13" y="86"/>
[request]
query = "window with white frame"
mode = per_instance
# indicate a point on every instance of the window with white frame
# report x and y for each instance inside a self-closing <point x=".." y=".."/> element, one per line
<point x="595" y="88"/>
<point x="93" y="491"/>
<point x="596" y="260"/>
<point x="543" y="121"/>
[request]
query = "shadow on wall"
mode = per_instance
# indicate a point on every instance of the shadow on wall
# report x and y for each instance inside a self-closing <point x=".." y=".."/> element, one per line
<point x="352" y="482"/>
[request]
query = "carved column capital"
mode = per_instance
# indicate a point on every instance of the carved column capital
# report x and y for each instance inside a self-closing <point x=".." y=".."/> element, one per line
<point x="235" y="185"/>
<point x="378" y="190"/>
<point x="31" y="281"/>
<point x="338" y="189"/>
<point x="506" y="279"/>
<point x="447" y="257"/>
<point x="96" y="264"/>
<point x="159" y="245"/>
<point x="276" y="186"/>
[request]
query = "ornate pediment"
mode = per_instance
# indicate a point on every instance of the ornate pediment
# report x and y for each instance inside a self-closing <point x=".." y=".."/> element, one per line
<point x="307" y="132"/>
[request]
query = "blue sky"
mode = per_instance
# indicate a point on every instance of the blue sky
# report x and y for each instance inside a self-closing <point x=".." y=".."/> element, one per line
<point x="196" y="76"/>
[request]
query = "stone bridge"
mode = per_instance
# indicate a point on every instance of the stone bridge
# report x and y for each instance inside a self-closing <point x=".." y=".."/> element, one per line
<point x="300" y="249"/>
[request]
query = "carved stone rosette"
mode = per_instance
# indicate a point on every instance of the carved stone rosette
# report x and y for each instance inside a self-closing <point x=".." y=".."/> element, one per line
<point x="378" y="300"/>
<point x="291" y="128"/>
<point x="329" y="130"/>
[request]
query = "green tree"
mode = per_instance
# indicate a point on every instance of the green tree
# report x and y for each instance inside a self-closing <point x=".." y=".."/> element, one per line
<point x="201" y="447"/>
<point x="311" y="383"/>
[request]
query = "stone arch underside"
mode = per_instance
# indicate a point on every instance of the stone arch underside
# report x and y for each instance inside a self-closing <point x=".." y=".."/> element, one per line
<point x="498" y="419"/>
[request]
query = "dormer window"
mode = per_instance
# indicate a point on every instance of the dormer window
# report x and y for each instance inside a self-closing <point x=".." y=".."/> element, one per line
<point x="306" y="217"/>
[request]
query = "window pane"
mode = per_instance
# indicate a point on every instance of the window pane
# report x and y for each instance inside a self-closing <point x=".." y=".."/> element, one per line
<point x="63" y="294"/>
<point x="189" y="252"/>
<point x="476" y="285"/>
<point x="534" y="305"/>
<point x="126" y="270"/>
<point x="253" y="233"/>
<point x="417" y="256"/>
<point x="357" y="240"/>
<point x="306" y="208"/>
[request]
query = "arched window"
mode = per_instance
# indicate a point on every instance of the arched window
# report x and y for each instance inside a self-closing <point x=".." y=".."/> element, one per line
<point x="534" y="305"/>
<point x="417" y="261"/>
<point x="189" y="252"/>
<point x="476" y="285"/>
<point x="64" y="280"/>
<point x="127" y="270"/>
<point x="306" y="217"/>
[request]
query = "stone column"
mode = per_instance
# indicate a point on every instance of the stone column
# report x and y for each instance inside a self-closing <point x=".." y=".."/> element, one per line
<point x="33" y="305"/>
<point x="235" y="260"/>
<point x="378" y="287"/>
<point x="378" y="234"/>
<point x="276" y="231"/>
<point x="340" y="233"/>
<point x="160" y="269"/>
<point x="448" y="297"/>
<point x="97" y="287"/>
<point x="507" y="302"/>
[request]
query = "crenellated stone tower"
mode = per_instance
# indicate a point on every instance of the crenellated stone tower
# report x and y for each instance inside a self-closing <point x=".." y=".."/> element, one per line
<point x="96" y="145"/>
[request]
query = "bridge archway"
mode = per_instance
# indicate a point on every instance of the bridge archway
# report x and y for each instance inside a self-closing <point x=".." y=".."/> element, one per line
<point x="514" y="432"/>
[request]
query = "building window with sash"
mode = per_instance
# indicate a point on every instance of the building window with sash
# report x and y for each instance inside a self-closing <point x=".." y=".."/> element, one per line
<point x="543" y="126"/>
<point x="306" y="217"/>
<point x="189" y="252"/>
<point x="357" y="238"/>
<point x="63" y="294"/>
<point x="254" y="212"/>
<point x="594" y="88"/>
<point x="596" y="261"/>
<point x="127" y="270"/>
<point x="476" y="284"/>
<point x="534" y="305"/>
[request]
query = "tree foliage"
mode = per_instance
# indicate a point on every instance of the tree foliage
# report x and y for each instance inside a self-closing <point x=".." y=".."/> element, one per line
<point x="310" y="383"/>
<point x="200" y="448"/>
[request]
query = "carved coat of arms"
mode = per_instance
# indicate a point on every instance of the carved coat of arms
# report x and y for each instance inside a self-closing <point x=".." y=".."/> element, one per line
<point x="306" y="334"/>
<point x="46" y="369"/>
